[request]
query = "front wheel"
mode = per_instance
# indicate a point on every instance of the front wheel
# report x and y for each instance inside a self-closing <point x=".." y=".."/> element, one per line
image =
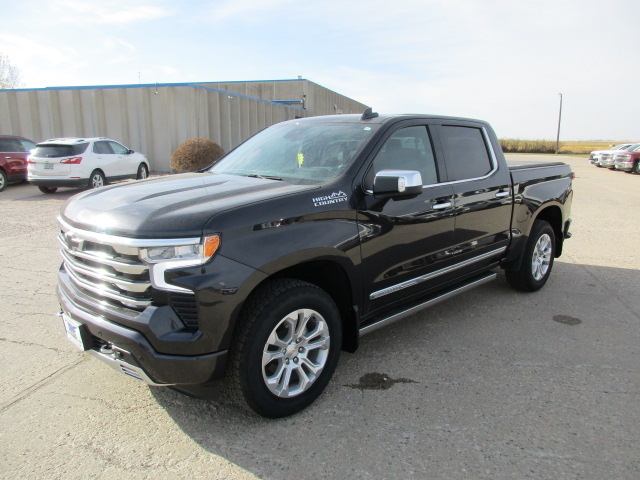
<point x="3" y="180"/>
<point x="286" y="348"/>
<point x="143" y="172"/>
<point x="537" y="262"/>
<point x="97" y="180"/>
<point x="636" y="168"/>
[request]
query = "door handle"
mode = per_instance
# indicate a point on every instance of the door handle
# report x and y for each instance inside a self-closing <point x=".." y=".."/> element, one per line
<point x="441" y="206"/>
<point x="503" y="193"/>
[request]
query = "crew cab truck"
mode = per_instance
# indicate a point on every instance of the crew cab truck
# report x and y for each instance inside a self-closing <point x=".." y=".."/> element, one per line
<point x="255" y="273"/>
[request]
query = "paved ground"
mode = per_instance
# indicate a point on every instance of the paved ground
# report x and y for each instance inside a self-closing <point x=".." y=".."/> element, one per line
<point x="494" y="385"/>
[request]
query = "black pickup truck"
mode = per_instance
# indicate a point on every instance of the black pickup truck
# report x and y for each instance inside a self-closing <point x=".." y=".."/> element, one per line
<point x="255" y="273"/>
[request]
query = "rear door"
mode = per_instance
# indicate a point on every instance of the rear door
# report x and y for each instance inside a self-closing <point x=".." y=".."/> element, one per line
<point x="404" y="242"/>
<point x="105" y="158"/>
<point x="482" y="193"/>
<point x="14" y="155"/>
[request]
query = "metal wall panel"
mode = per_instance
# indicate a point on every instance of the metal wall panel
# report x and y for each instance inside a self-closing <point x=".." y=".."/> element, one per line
<point x="155" y="119"/>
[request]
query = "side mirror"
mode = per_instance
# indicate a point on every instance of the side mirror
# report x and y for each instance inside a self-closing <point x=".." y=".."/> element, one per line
<point x="129" y="152"/>
<point x="397" y="183"/>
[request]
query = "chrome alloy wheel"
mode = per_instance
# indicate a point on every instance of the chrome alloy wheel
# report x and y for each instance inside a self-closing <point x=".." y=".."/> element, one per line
<point x="541" y="257"/>
<point x="97" y="181"/>
<point x="295" y="353"/>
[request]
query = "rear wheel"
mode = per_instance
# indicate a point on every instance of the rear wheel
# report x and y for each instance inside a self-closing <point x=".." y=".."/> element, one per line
<point x="3" y="180"/>
<point x="537" y="262"/>
<point x="143" y="172"/>
<point x="97" y="180"/>
<point x="286" y="348"/>
<point x="48" y="189"/>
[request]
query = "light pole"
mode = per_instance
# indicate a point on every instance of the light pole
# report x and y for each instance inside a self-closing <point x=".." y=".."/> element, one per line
<point x="559" y="119"/>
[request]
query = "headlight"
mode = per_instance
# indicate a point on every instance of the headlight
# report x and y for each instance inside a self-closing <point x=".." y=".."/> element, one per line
<point x="195" y="253"/>
<point x="165" y="257"/>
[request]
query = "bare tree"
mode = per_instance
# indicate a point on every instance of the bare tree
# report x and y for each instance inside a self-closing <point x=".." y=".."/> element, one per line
<point x="9" y="73"/>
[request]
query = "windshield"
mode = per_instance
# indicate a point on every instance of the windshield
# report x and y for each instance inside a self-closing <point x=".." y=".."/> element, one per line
<point x="54" y="151"/>
<point x="300" y="153"/>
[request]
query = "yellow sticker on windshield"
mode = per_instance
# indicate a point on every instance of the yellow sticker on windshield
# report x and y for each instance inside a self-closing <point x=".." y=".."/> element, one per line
<point x="300" y="159"/>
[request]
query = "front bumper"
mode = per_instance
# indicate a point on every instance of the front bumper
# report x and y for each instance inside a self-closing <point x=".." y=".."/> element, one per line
<point x="625" y="166"/>
<point x="129" y="352"/>
<point x="607" y="163"/>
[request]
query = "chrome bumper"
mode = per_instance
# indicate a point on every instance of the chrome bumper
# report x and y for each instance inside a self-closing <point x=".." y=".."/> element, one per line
<point x="625" y="166"/>
<point x="123" y="367"/>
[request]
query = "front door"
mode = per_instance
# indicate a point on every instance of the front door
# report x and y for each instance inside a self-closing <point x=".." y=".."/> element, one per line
<point x="405" y="241"/>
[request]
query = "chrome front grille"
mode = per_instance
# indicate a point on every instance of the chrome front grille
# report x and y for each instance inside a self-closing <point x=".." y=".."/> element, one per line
<point x="108" y="270"/>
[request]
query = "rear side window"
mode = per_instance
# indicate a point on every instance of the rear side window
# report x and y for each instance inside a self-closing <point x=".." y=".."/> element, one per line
<point x="102" y="147"/>
<point x="27" y="145"/>
<point x="11" y="145"/>
<point x="54" y="151"/>
<point x="465" y="152"/>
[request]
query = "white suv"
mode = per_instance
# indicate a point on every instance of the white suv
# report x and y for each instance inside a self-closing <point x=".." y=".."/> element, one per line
<point x="82" y="162"/>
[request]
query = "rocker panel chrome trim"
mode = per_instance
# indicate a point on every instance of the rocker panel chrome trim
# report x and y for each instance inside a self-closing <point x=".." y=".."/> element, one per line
<point x="437" y="273"/>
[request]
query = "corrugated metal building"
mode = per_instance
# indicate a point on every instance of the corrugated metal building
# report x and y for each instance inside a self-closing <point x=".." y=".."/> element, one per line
<point x="155" y="118"/>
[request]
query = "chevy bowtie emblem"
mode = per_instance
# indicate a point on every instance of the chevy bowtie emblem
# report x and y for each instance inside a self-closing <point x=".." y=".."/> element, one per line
<point x="72" y="242"/>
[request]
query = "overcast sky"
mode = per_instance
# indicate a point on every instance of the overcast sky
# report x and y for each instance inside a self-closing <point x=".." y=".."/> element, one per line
<point x="504" y="61"/>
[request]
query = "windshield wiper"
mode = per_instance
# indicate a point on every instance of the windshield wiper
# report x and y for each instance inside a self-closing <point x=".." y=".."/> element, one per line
<point x="266" y="177"/>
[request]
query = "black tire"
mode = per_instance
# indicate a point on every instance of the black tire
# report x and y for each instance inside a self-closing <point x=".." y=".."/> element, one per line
<point x="263" y="331"/>
<point x="143" y="172"/>
<point x="48" y="189"/>
<point x="3" y="180"/>
<point x="636" y="168"/>
<point x="537" y="262"/>
<point x="97" y="180"/>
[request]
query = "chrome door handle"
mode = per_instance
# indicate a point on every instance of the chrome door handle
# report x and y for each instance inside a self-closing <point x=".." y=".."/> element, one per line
<point x="503" y="193"/>
<point x="441" y="206"/>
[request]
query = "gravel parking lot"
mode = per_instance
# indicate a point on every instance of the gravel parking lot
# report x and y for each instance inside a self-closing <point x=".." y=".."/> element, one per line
<point x="492" y="385"/>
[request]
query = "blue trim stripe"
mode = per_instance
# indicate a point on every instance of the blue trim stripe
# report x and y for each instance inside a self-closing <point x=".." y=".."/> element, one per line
<point x="161" y="85"/>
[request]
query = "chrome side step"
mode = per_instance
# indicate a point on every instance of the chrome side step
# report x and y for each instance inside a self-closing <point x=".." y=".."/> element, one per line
<point x="444" y="296"/>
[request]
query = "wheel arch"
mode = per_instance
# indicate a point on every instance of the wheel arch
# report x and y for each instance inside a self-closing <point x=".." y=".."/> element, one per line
<point x="552" y="214"/>
<point x="332" y="277"/>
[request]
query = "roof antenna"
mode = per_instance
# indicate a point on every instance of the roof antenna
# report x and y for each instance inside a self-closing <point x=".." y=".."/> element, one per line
<point x="369" y="114"/>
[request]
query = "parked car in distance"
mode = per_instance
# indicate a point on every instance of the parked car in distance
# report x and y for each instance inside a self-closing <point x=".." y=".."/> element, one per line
<point x="596" y="155"/>
<point x="83" y="162"/>
<point x="606" y="159"/>
<point x="628" y="161"/>
<point x="14" y="151"/>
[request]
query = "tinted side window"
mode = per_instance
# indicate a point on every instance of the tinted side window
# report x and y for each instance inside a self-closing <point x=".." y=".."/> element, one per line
<point x="407" y="149"/>
<point x="27" y="145"/>
<point x="465" y="152"/>
<point x="118" y="149"/>
<point x="10" y="145"/>
<point x="102" y="148"/>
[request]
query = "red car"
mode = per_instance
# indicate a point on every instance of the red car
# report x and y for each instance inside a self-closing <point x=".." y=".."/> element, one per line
<point x="14" y="151"/>
<point x="628" y="161"/>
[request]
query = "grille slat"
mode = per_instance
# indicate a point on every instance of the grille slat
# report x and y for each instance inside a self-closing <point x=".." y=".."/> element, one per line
<point x="109" y="269"/>
<point x="111" y="272"/>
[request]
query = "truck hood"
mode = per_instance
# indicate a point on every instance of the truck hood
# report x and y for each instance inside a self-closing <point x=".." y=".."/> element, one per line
<point x="169" y="207"/>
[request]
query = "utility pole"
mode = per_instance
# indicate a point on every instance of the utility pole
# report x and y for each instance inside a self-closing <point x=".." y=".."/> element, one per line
<point x="559" y="119"/>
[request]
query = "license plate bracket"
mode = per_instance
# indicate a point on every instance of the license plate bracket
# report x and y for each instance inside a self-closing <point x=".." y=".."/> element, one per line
<point x="76" y="332"/>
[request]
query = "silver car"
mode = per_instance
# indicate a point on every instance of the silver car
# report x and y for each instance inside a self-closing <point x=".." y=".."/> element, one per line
<point x="595" y="156"/>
